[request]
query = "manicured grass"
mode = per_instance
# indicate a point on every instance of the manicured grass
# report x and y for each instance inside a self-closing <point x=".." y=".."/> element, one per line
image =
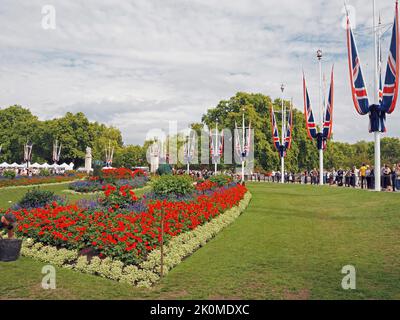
<point x="291" y="243"/>
<point x="14" y="194"/>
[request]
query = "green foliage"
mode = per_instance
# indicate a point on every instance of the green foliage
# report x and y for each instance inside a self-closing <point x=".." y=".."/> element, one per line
<point x="303" y="154"/>
<point x="164" y="169"/>
<point x="221" y="180"/>
<point x="36" y="198"/>
<point x="9" y="174"/>
<point x="131" y="156"/>
<point x="45" y="173"/>
<point x="73" y="131"/>
<point x="168" y="185"/>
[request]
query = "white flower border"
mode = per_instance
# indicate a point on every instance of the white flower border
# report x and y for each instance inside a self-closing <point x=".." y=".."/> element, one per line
<point x="148" y="272"/>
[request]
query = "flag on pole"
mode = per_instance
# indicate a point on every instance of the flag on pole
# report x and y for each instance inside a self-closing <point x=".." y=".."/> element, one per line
<point x="289" y="132"/>
<point x="238" y="145"/>
<point x="308" y="112"/>
<point x="391" y="86"/>
<point x="389" y="93"/>
<point x="221" y="144"/>
<point x="247" y="147"/>
<point x="328" y="117"/>
<point x="275" y="132"/>
<point x="358" y="88"/>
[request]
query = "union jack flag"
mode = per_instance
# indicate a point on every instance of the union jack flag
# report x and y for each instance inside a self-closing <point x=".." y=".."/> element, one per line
<point x="310" y="120"/>
<point x="275" y="132"/>
<point x="391" y="86"/>
<point x="328" y="117"/>
<point x="221" y="144"/>
<point x="216" y="144"/>
<point x="288" y="137"/>
<point x="247" y="146"/>
<point x="388" y="94"/>
<point x="289" y="131"/>
<point x="358" y="88"/>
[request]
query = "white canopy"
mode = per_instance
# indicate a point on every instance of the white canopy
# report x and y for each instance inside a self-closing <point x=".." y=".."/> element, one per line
<point x="35" y="165"/>
<point x="4" y="165"/>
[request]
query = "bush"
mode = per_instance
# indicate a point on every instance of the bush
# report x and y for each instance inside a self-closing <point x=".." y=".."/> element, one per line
<point x="37" y="198"/>
<point x="173" y="185"/>
<point x="10" y="174"/>
<point x="45" y="173"/>
<point x="164" y="169"/>
<point x="221" y="180"/>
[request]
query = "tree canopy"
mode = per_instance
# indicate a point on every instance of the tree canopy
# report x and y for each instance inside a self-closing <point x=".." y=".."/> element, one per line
<point x="75" y="132"/>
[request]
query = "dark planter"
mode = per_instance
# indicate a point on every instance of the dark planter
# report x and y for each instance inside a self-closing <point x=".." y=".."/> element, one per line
<point x="10" y="249"/>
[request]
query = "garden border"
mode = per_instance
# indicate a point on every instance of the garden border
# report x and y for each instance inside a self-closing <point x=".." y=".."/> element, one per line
<point x="148" y="272"/>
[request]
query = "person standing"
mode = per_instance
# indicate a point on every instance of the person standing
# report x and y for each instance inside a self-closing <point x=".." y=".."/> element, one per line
<point x="386" y="173"/>
<point x="368" y="177"/>
<point x="394" y="177"/>
<point x="363" y="175"/>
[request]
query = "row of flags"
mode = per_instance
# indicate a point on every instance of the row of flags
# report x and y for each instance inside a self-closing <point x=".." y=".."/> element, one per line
<point x="325" y="133"/>
<point x="217" y="144"/>
<point x="288" y="136"/>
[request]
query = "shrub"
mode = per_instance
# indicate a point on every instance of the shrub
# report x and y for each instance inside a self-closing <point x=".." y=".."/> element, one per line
<point x="45" y="173"/>
<point x="221" y="180"/>
<point x="173" y="185"/>
<point x="10" y="174"/>
<point x="164" y="169"/>
<point x="37" y="198"/>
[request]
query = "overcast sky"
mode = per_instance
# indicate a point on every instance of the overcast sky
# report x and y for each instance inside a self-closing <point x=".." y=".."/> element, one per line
<point x="137" y="64"/>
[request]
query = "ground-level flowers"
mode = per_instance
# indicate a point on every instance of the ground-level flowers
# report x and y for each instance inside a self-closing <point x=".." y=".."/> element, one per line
<point x="121" y="233"/>
<point x="148" y="272"/>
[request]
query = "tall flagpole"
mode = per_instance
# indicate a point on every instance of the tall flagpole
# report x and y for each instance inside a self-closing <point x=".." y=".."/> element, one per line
<point x="377" y="134"/>
<point x="321" y="151"/>
<point x="216" y="148"/>
<point x="283" y="135"/>
<point x="244" y="146"/>
<point x="188" y="146"/>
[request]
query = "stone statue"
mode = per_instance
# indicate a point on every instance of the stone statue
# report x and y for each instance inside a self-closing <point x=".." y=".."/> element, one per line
<point x="88" y="160"/>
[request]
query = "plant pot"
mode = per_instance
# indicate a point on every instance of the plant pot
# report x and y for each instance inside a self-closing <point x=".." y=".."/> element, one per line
<point x="10" y="249"/>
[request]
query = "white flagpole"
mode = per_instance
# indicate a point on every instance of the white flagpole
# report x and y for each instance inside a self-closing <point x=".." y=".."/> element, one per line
<point x="283" y="135"/>
<point x="216" y="148"/>
<point x="188" y="147"/>
<point x="321" y="151"/>
<point x="244" y="146"/>
<point x="377" y="134"/>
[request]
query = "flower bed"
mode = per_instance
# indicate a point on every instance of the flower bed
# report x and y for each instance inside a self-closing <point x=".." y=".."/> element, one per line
<point x="120" y="227"/>
<point x="148" y="272"/>
<point x="123" y="226"/>
<point x="30" y="181"/>
<point x="117" y="177"/>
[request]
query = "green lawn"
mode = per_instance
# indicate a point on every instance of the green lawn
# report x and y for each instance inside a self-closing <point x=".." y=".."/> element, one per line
<point x="291" y="243"/>
<point x="14" y="194"/>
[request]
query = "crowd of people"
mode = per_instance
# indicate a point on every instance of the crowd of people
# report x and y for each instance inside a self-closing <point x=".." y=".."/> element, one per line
<point x="31" y="172"/>
<point x="363" y="177"/>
